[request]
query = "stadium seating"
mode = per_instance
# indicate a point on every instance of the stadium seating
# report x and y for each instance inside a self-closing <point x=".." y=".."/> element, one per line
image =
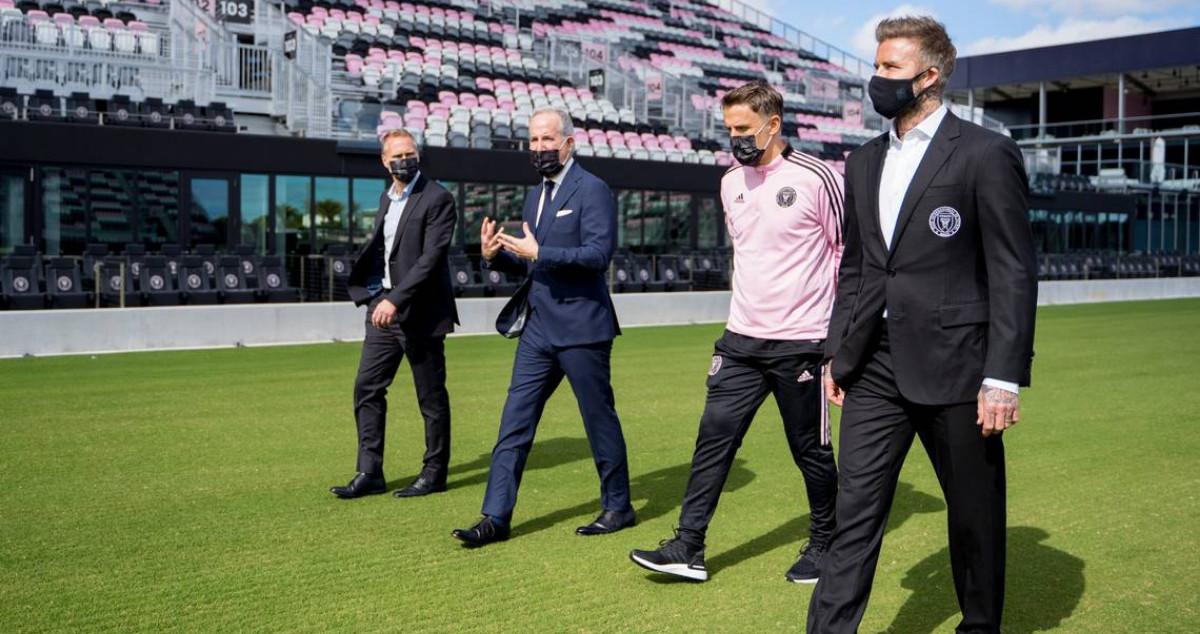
<point x="22" y="283"/>
<point x="64" y="285"/>
<point x="195" y="281"/>
<point x="231" y="280"/>
<point x="159" y="283"/>
<point x="274" y="285"/>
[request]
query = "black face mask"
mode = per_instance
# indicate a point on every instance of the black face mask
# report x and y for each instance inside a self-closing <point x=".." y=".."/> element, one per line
<point x="546" y="162"/>
<point x="892" y="96"/>
<point x="405" y="169"/>
<point x="745" y="148"/>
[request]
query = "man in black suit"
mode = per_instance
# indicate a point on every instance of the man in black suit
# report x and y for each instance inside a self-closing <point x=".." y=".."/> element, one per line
<point x="932" y="329"/>
<point x="403" y="276"/>
<point x="568" y="327"/>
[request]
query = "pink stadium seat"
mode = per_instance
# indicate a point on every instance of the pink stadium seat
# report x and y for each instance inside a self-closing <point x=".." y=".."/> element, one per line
<point x="89" y="22"/>
<point x="337" y="13"/>
<point x="135" y="26"/>
<point x="37" y="15"/>
<point x="66" y="18"/>
<point x="7" y="4"/>
<point x="683" y="143"/>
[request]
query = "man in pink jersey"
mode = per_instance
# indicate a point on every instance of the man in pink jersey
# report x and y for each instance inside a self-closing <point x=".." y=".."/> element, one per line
<point x="783" y="210"/>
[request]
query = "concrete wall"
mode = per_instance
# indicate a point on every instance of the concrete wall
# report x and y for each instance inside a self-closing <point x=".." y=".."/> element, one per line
<point x="48" y="332"/>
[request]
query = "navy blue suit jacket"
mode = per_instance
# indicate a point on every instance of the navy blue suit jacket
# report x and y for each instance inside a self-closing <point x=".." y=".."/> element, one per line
<point x="568" y="285"/>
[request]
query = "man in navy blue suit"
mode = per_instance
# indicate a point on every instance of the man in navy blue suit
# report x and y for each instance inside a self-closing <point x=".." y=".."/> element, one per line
<point x="568" y="325"/>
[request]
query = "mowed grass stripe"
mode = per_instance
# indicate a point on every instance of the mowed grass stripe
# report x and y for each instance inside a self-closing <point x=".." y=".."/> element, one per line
<point x="186" y="492"/>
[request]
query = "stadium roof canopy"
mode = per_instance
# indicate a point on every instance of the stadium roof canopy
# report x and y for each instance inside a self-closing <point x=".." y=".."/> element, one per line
<point x="1166" y="62"/>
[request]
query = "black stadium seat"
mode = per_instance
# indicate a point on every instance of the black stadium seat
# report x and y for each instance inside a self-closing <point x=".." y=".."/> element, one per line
<point x="188" y="116"/>
<point x="195" y="283"/>
<point x="274" y="285"/>
<point x="231" y="282"/>
<point x="121" y="111"/>
<point x="44" y="106"/>
<point x="10" y="103"/>
<point x="497" y="284"/>
<point x="153" y="113"/>
<point x="462" y="276"/>
<point x="22" y="283"/>
<point x="248" y="259"/>
<point x="116" y="282"/>
<point x="158" y="282"/>
<point x="63" y="283"/>
<point x="82" y="109"/>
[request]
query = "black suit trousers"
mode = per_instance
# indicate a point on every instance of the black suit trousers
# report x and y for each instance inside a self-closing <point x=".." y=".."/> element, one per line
<point x="382" y="351"/>
<point x="877" y="429"/>
<point x="744" y="371"/>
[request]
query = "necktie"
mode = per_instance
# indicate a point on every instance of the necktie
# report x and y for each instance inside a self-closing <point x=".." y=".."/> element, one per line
<point x="547" y="191"/>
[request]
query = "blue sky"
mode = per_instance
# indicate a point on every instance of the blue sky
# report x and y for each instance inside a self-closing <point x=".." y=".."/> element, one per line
<point x="984" y="26"/>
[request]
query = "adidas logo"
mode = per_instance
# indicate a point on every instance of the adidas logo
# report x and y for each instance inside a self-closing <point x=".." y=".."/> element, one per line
<point x="806" y="376"/>
<point x="740" y="199"/>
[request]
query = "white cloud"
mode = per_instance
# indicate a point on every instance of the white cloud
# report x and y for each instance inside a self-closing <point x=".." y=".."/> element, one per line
<point x="1070" y="30"/>
<point x="863" y="41"/>
<point x="1091" y="7"/>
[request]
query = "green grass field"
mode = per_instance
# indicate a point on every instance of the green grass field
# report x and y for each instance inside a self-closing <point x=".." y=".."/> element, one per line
<point x="187" y="492"/>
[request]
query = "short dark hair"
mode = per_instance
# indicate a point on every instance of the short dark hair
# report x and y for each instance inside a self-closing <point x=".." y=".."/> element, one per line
<point x="758" y="95"/>
<point x="937" y="51"/>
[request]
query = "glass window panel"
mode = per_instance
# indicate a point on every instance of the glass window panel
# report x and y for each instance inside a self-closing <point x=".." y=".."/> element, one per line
<point x="709" y="220"/>
<point x="366" y="205"/>
<point x="679" y="227"/>
<point x="256" y="210"/>
<point x="293" y="195"/>
<point x="157" y="207"/>
<point x="478" y="203"/>
<point x="210" y="211"/>
<point x="332" y="209"/>
<point x="510" y="203"/>
<point x="64" y="214"/>
<point x="111" y="200"/>
<point x="655" y="215"/>
<point x="12" y="211"/>
<point x="629" y="214"/>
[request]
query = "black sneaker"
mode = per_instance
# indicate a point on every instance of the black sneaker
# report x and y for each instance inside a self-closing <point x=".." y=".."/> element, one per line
<point x="673" y="557"/>
<point x="807" y="569"/>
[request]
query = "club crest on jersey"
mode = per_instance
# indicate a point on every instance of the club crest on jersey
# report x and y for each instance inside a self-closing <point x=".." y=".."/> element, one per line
<point x="716" y="365"/>
<point x="786" y="197"/>
<point x="945" y="222"/>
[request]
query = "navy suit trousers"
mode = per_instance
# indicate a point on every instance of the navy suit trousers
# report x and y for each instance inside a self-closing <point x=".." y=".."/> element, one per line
<point x="538" y="369"/>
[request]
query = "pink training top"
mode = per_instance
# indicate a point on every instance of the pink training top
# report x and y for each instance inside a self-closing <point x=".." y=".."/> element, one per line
<point x="785" y="220"/>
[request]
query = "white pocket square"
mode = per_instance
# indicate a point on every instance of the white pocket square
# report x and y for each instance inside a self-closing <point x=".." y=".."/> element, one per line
<point x="564" y="212"/>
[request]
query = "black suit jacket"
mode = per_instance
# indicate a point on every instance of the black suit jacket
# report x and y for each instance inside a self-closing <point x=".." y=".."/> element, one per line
<point x="420" y="267"/>
<point x="960" y="281"/>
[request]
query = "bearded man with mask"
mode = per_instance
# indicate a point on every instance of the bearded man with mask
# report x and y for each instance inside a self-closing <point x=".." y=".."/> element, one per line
<point x="402" y="275"/>
<point x="783" y="211"/>
<point x="566" y="323"/>
<point x="932" y="330"/>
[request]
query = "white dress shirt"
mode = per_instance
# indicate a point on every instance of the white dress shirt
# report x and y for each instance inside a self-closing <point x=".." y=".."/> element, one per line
<point x="391" y="224"/>
<point x="557" y="179"/>
<point x="899" y="167"/>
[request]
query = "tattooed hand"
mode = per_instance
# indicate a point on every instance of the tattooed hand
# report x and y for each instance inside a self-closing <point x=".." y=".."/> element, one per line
<point x="998" y="409"/>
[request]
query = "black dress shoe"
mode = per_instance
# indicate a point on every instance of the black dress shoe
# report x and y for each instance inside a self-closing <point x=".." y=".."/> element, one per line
<point x="362" y="484"/>
<point x="423" y="485"/>
<point x="484" y="532"/>
<point x="609" y="522"/>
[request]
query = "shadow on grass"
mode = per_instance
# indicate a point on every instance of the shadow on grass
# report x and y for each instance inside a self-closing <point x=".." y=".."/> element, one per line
<point x="658" y="493"/>
<point x="908" y="502"/>
<point x="1044" y="587"/>
<point x="545" y="454"/>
